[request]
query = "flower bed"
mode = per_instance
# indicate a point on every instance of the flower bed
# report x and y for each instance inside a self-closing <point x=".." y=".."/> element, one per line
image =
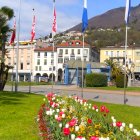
<point x="72" y="118"/>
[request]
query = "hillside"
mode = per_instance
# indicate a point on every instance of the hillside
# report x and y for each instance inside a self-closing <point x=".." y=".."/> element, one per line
<point x="112" y="19"/>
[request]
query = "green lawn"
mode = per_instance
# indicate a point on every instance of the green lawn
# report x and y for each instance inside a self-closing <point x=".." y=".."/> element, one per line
<point x="18" y="113"/>
<point x="134" y="89"/>
<point x="18" y="116"/>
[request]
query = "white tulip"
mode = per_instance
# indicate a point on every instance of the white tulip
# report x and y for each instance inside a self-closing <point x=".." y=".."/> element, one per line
<point x="67" y="125"/>
<point x="76" y="128"/>
<point x="121" y="128"/>
<point x="114" y="124"/>
<point x="44" y="99"/>
<point x="135" y="131"/>
<point x="48" y="112"/>
<point x="123" y="124"/>
<point x="56" y="116"/>
<point x="138" y="133"/>
<point x="63" y="115"/>
<point x="72" y="136"/>
<point x="57" y="110"/>
<point x="97" y="110"/>
<point x="131" y="125"/>
<point x="112" y="117"/>
<point x="60" y="125"/>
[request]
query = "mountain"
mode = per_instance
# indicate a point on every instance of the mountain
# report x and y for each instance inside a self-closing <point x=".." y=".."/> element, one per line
<point x="112" y="19"/>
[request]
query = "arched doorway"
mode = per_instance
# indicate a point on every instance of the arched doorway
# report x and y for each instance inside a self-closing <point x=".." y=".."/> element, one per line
<point x="45" y="75"/>
<point x="50" y="77"/>
<point x="37" y="77"/>
<point x="60" y="74"/>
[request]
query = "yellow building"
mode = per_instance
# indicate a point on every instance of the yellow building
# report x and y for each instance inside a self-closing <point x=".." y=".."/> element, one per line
<point x="118" y="53"/>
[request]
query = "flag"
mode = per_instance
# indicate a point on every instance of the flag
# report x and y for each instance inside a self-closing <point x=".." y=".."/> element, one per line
<point x="13" y="36"/>
<point x="54" y="26"/>
<point x="33" y="29"/>
<point x="84" y="17"/>
<point x="127" y="11"/>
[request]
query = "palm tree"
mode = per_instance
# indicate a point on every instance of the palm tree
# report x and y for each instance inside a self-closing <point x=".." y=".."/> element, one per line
<point x="6" y="14"/>
<point x="115" y="68"/>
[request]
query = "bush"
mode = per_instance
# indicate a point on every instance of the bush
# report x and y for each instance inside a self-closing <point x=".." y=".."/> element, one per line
<point x="96" y="80"/>
<point x="120" y="81"/>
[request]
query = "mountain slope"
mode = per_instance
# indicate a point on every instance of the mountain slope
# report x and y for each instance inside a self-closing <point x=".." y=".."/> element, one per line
<point x="113" y="18"/>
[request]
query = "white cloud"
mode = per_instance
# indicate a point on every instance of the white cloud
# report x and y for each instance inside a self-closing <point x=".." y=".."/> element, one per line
<point x="43" y="12"/>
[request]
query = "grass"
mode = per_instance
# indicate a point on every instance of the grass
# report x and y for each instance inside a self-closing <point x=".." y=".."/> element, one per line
<point x="18" y="113"/>
<point x="124" y="113"/>
<point x="135" y="89"/>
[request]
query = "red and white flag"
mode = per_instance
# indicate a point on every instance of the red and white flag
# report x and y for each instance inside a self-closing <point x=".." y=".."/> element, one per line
<point x="33" y="29"/>
<point x="13" y="36"/>
<point x="54" y="26"/>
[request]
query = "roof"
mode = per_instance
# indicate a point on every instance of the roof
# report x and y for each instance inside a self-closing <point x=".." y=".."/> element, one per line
<point x="78" y="63"/>
<point x="119" y="47"/>
<point x="48" y="49"/>
<point x="73" y="43"/>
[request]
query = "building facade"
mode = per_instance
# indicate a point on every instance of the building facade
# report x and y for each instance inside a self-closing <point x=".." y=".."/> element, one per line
<point x="117" y="53"/>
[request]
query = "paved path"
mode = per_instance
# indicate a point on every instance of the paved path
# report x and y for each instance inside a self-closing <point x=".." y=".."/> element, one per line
<point x="116" y="97"/>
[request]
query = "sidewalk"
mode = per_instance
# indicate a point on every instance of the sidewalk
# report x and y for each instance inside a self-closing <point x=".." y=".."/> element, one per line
<point x="76" y="88"/>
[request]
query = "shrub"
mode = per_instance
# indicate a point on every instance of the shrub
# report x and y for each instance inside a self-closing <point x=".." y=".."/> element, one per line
<point x="96" y="80"/>
<point x="120" y="81"/>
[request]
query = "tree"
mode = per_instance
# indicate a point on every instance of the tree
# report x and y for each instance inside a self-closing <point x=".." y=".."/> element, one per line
<point x="116" y="70"/>
<point x="6" y="14"/>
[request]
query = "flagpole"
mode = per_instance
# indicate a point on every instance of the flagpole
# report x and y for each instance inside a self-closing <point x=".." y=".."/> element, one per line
<point x="30" y="86"/>
<point x="53" y="51"/>
<point x="13" y="70"/>
<point x="125" y="65"/>
<point x="83" y="66"/>
<point x="17" y="51"/>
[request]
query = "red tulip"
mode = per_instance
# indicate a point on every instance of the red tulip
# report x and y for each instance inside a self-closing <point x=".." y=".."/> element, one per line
<point x="66" y="131"/>
<point x="94" y="138"/>
<point x="89" y="121"/>
<point x="119" y="124"/>
<point x="102" y="108"/>
<point x="72" y="122"/>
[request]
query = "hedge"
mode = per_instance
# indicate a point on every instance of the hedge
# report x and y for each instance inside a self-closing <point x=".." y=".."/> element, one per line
<point x="96" y="80"/>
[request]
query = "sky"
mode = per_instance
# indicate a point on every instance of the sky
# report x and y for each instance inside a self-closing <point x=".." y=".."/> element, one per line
<point x="69" y="13"/>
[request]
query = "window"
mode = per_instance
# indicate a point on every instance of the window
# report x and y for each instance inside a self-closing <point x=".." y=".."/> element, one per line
<point x="66" y="51"/>
<point x="45" y="61"/>
<point x="36" y="68"/>
<point x="78" y="58"/>
<point x="54" y="68"/>
<point x="38" y="54"/>
<point x="78" y="51"/>
<point x="45" y="54"/>
<point x="52" y="54"/>
<point x="28" y="63"/>
<point x="66" y="59"/>
<point x="106" y="53"/>
<point x="72" y="51"/>
<point x="60" y="60"/>
<point x="117" y="53"/>
<point x="39" y="68"/>
<point x="138" y="53"/>
<point x="52" y="61"/>
<point x="130" y="61"/>
<point x="85" y="52"/>
<point x="123" y="53"/>
<point x="38" y="61"/>
<point x="21" y="66"/>
<point x="50" y="69"/>
<point x="111" y="53"/>
<point x="60" y="52"/>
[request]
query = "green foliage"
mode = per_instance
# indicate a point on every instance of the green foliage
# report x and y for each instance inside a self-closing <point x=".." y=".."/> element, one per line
<point x="120" y="81"/>
<point x="96" y="80"/>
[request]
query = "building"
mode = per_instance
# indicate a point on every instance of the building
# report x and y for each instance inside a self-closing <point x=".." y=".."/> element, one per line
<point x="25" y="60"/>
<point x="117" y="53"/>
<point x="45" y="63"/>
